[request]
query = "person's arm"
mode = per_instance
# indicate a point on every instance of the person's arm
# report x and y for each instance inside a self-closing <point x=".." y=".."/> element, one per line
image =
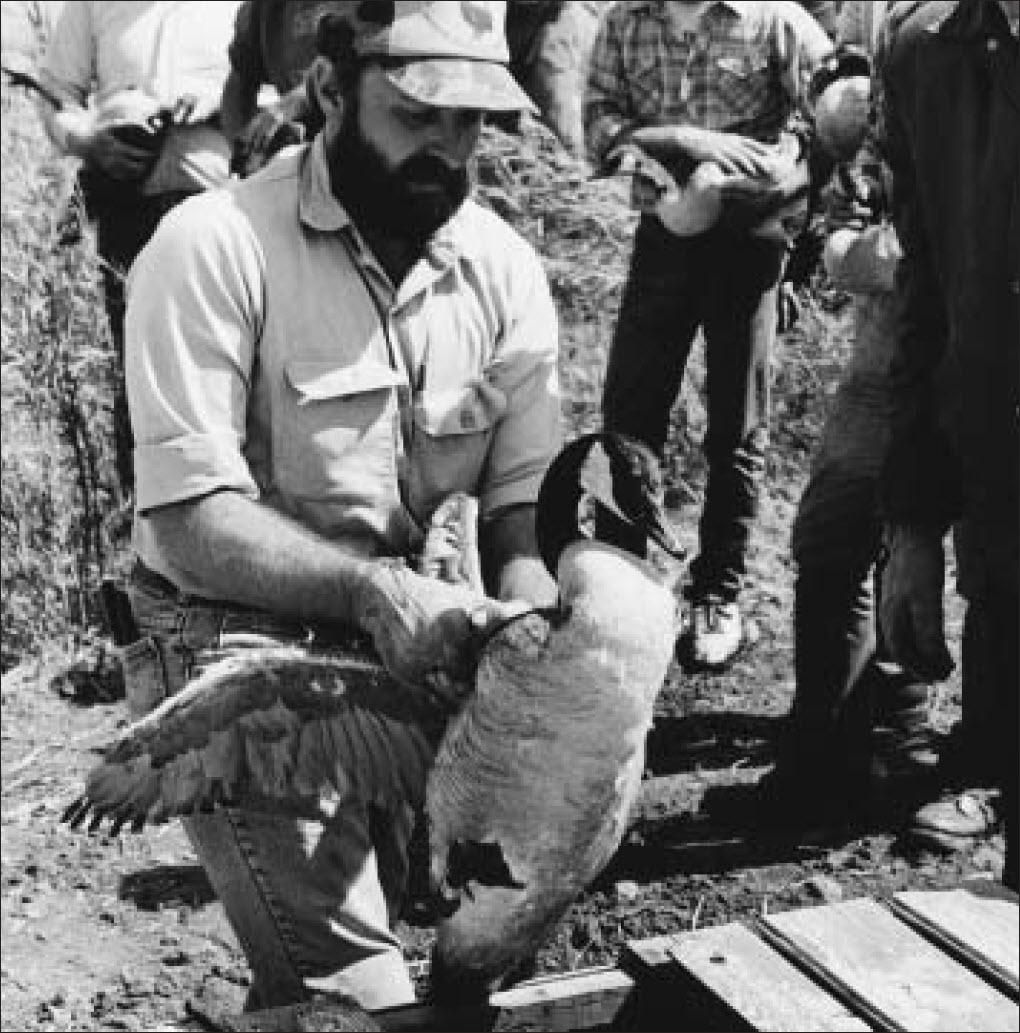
<point x="241" y="88"/>
<point x="862" y="261"/>
<point x="920" y="490"/>
<point x="861" y="252"/>
<point x="607" y="110"/>
<point x="510" y="554"/>
<point x="238" y="104"/>
<point x="921" y="483"/>
<point x="528" y="434"/>
<point x="68" y="71"/>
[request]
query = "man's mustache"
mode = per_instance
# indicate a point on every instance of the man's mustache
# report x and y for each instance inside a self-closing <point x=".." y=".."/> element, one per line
<point x="428" y="170"/>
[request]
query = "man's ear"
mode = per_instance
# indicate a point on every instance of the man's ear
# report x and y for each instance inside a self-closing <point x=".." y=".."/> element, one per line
<point x="324" y="92"/>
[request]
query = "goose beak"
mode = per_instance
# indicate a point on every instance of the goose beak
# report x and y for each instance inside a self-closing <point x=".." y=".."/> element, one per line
<point x="660" y="530"/>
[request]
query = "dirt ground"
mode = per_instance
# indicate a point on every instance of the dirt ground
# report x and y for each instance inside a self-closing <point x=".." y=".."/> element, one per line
<point x="124" y="934"/>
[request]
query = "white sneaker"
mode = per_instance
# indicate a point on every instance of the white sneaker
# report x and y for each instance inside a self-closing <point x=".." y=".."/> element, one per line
<point x="714" y="633"/>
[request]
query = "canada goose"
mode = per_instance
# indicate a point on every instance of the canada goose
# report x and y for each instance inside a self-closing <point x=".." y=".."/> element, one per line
<point x="525" y="791"/>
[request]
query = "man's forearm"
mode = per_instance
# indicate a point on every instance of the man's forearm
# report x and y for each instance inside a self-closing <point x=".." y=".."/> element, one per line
<point x="238" y="104"/>
<point x="510" y="558"/>
<point x="241" y="550"/>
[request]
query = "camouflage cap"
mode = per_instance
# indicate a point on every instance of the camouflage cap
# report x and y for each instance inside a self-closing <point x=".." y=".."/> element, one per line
<point x="447" y="53"/>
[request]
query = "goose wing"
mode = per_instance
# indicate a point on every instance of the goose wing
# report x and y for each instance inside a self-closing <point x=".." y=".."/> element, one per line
<point x="278" y="729"/>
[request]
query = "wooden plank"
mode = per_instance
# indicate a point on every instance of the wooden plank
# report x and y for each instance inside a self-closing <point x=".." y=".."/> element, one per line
<point x="751" y="980"/>
<point x="584" y="1000"/>
<point x="981" y="932"/>
<point x="902" y="975"/>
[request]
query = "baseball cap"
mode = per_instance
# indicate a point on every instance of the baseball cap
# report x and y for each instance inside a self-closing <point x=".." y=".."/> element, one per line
<point x="446" y="53"/>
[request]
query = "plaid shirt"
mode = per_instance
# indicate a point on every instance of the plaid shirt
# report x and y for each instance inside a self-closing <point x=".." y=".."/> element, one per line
<point x="745" y="69"/>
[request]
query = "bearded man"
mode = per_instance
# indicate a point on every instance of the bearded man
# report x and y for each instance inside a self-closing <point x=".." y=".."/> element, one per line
<point x="316" y="357"/>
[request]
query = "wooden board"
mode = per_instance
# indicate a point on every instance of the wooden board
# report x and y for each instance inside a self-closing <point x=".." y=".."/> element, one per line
<point x="908" y="981"/>
<point x="584" y="1000"/>
<point x="982" y="932"/>
<point x="754" y="982"/>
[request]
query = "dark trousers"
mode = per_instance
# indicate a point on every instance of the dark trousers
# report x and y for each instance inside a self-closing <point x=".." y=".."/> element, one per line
<point x="845" y="679"/>
<point x="725" y="285"/>
<point x="124" y="221"/>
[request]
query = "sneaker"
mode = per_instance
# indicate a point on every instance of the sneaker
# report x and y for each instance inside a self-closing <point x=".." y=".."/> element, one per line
<point x="713" y="634"/>
<point x="954" y="822"/>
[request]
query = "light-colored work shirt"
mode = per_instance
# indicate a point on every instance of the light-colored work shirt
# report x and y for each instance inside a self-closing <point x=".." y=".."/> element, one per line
<point x="267" y="353"/>
<point x="168" y="49"/>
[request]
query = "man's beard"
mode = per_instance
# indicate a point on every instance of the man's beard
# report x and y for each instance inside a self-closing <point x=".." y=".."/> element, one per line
<point x="409" y="202"/>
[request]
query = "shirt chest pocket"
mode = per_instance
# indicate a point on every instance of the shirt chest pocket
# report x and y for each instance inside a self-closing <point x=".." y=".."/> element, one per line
<point x="452" y="433"/>
<point x="337" y="435"/>
<point x="743" y="81"/>
<point x="645" y="83"/>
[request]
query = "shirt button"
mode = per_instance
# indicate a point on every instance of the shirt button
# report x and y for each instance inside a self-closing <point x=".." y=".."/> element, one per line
<point x="993" y="45"/>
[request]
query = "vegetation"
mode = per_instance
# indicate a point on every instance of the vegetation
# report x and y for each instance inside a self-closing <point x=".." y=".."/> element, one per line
<point x="58" y="488"/>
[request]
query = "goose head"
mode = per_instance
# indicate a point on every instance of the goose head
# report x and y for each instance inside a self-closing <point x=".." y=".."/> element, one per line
<point x="605" y="487"/>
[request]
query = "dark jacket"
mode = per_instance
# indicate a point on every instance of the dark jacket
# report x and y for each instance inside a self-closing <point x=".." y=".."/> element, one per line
<point x="951" y="106"/>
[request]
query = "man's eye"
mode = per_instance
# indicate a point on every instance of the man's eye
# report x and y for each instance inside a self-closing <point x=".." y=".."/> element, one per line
<point x="416" y="118"/>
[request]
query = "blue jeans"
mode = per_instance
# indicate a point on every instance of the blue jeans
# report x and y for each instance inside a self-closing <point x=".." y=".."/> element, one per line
<point x="311" y="903"/>
<point x="724" y="284"/>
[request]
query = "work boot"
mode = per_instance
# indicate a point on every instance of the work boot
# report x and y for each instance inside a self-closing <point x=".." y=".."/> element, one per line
<point x="713" y="634"/>
<point x="955" y="821"/>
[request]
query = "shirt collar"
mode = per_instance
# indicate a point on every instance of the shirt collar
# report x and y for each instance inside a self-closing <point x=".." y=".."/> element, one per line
<point x="657" y="7"/>
<point x="318" y="206"/>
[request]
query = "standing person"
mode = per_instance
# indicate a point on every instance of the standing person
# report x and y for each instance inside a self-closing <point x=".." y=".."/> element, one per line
<point x="317" y="356"/>
<point x="273" y="45"/>
<point x="549" y="42"/>
<point x="951" y="88"/>
<point x="845" y="678"/>
<point x="140" y="88"/>
<point x="700" y="83"/>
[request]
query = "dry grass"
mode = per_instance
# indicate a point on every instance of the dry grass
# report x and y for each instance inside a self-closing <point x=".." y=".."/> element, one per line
<point x="57" y="368"/>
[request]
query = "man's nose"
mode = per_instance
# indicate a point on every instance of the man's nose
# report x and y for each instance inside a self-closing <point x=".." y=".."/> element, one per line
<point x="455" y="136"/>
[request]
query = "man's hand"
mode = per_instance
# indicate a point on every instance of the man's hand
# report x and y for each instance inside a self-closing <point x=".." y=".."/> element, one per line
<point x="268" y="132"/>
<point x="123" y="150"/>
<point x="427" y="632"/>
<point x="911" y="603"/>
<point x="733" y="153"/>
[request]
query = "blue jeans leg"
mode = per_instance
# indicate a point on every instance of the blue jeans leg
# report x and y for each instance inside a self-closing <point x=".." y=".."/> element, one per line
<point x="312" y="903"/>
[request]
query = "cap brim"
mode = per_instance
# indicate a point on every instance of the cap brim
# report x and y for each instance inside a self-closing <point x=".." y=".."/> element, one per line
<point x="447" y="82"/>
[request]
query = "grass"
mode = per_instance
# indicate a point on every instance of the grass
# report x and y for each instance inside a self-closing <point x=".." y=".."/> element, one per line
<point x="57" y="375"/>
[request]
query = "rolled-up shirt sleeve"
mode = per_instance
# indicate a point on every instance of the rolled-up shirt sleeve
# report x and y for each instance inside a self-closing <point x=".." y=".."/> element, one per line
<point x="68" y="67"/>
<point x="529" y="433"/>
<point x="193" y="318"/>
